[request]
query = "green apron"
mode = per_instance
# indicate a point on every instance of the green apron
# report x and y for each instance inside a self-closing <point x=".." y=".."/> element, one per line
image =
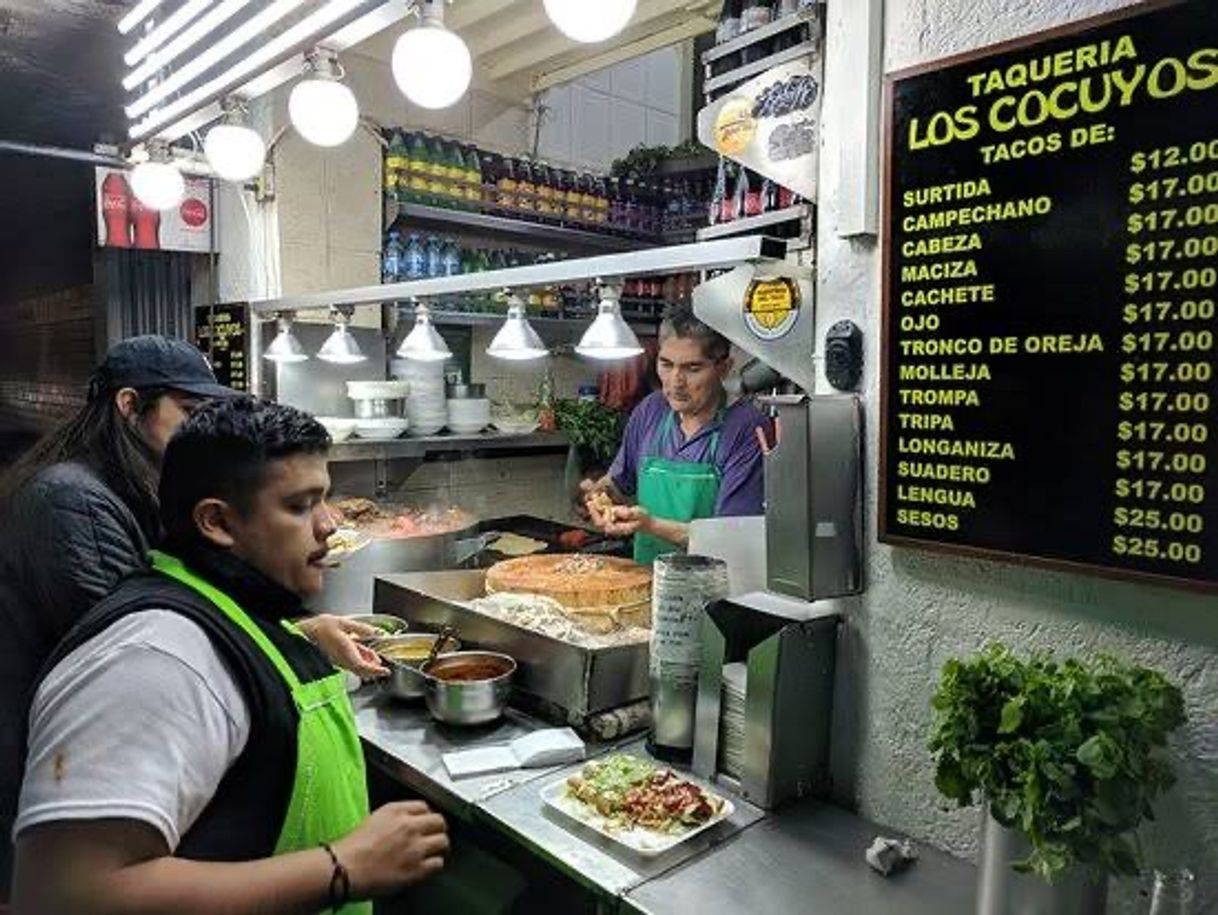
<point x="674" y="491"/>
<point x="330" y="793"/>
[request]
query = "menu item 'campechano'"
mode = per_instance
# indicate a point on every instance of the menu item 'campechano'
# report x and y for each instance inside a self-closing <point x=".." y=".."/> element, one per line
<point x="600" y="592"/>
<point x="631" y="792"/>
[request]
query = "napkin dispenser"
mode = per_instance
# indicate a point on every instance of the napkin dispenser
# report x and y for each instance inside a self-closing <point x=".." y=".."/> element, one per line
<point x="789" y="647"/>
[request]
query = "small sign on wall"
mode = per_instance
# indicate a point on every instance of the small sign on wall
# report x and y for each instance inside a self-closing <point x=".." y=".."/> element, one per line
<point x="771" y="124"/>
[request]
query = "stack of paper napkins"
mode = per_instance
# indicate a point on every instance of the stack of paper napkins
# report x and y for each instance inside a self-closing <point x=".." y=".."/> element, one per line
<point x="547" y="747"/>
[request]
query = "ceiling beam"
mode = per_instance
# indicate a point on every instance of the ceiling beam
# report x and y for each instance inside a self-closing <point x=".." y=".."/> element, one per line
<point x="656" y="16"/>
<point x="491" y="34"/>
<point x="467" y="13"/>
<point x="691" y="27"/>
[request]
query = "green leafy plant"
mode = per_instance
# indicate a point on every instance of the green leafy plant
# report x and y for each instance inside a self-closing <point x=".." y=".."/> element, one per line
<point x="590" y="425"/>
<point x="1068" y="753"/>
<point x="644" y="160"/>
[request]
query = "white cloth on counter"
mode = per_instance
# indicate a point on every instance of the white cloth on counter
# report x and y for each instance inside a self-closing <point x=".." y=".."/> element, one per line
<point x="139" y="723"/>
<point x="547" y="747"/>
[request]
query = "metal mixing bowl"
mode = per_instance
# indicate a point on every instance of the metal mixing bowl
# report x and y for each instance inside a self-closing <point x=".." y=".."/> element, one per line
<point x="468" y="701"/>
<point x="405" y="681"/>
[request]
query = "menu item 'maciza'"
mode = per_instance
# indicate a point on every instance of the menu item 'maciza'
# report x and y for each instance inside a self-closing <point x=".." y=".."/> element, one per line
<point x="1051" y="273"/>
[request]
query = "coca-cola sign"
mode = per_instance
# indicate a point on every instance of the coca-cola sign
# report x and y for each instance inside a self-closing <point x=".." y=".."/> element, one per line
<point x="194" y="212"/>
<point x="124" y="222"/>
<point x="771" y="124"/>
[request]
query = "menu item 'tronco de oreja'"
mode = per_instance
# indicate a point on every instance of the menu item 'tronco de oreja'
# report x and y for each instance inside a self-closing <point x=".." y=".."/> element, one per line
<point x="1051" y="270"/>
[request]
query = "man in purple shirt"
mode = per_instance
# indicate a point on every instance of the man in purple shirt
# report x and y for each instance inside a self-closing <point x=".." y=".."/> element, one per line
<point x="686" y="453"/>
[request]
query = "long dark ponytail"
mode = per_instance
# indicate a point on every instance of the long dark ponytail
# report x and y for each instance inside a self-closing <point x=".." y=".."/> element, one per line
<point x="100" y="437"/>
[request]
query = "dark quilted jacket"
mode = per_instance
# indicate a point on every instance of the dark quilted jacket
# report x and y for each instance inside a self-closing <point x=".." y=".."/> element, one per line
<point x="66" y="540"/>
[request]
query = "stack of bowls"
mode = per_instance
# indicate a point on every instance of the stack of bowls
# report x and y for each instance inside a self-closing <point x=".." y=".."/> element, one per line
<point x="469" y="411"/>
<point x="379" y="406"/>
<point x="425" y="406"/>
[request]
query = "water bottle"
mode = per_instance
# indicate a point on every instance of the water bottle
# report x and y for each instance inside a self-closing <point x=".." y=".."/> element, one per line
<point x="415" y="258"/>
<point x="391" y="260"/>
<point x="435" y="257"/>
<point x="451" y="258"/>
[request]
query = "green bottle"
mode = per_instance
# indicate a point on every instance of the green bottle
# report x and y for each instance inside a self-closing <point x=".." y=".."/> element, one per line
<point x="418" y="165"/>
<point x="456" y="176"/>
<point x="397" y="158"/>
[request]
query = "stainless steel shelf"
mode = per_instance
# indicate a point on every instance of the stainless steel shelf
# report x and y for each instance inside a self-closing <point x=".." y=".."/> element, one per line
<point x="755" y="224"/>
<point x="731" y="77"/>
<point x="750" y="38"/>
<point x="702" y="255"/>
<point x="420" y="446"/>
<point x="538" y="232"/>
<point x="476" y="318"/>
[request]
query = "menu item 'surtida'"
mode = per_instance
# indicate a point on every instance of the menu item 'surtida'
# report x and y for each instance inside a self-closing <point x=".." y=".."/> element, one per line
<point x="631" y="792"/>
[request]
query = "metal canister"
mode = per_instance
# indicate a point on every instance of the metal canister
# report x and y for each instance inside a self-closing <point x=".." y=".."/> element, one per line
<point x="682" y="587"/>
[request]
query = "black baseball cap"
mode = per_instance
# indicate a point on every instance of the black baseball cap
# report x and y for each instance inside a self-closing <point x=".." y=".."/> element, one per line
<point x="154" y="361"/>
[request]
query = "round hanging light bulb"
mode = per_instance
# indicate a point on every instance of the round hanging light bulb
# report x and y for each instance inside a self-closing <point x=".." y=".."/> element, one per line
<point x="590" y="21"/>
<point x="431" y="65"/>
<point x="157" y="182"/>
<point x="323" y="110"/>
<point x="233" y="148"/>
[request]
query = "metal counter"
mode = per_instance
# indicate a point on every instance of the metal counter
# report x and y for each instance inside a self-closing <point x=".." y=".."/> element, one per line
<point x="807" y="859"/>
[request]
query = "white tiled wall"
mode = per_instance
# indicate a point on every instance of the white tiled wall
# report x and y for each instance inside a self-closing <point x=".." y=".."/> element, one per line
<point x="603" y="115"/>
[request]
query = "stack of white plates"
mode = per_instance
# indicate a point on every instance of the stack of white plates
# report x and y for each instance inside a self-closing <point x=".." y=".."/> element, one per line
<point x="425" y="404"/>
<point x="731" y="719"/>
<point x="469" y="415"/>
<point x="382" y="429"/>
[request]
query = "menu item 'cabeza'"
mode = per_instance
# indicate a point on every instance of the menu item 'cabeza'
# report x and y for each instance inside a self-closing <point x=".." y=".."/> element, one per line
<point x="630" y="792"/>
<point x="599" y="591"/>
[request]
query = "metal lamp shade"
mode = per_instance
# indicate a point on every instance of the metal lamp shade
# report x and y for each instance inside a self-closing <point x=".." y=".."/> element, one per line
<point x="341" y="348"/>
<point x="609" y="336"/>
<point x="285" y="347"/>
<point x="516" y="339"/>
<point x="424" y="342"/>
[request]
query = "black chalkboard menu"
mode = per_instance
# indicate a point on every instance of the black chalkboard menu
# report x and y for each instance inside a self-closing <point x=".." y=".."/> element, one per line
<point x="220" y="332"/>
<point x="1051" y="272"/>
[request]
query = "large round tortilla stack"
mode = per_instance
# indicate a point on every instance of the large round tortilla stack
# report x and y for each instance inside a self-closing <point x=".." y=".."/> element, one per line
<point x="600" y="593"/>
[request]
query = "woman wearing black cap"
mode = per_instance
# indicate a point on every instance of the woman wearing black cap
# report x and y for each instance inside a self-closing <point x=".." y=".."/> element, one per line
<point x="79" y="512"/>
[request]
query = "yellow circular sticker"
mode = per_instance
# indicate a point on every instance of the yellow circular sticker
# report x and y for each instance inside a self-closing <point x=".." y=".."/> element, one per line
<point x="734" y="126"/>
<point x="771" y="307"/>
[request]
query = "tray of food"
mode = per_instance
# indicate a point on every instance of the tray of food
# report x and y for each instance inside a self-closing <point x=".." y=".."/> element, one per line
<point x="637" y="804"/>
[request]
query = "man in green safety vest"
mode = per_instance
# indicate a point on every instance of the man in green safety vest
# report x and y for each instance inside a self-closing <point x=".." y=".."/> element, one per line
<point x="189" y="751"/>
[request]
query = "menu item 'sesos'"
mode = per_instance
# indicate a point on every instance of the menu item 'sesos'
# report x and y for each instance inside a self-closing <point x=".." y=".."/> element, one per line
<point x="631" y="792"/>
